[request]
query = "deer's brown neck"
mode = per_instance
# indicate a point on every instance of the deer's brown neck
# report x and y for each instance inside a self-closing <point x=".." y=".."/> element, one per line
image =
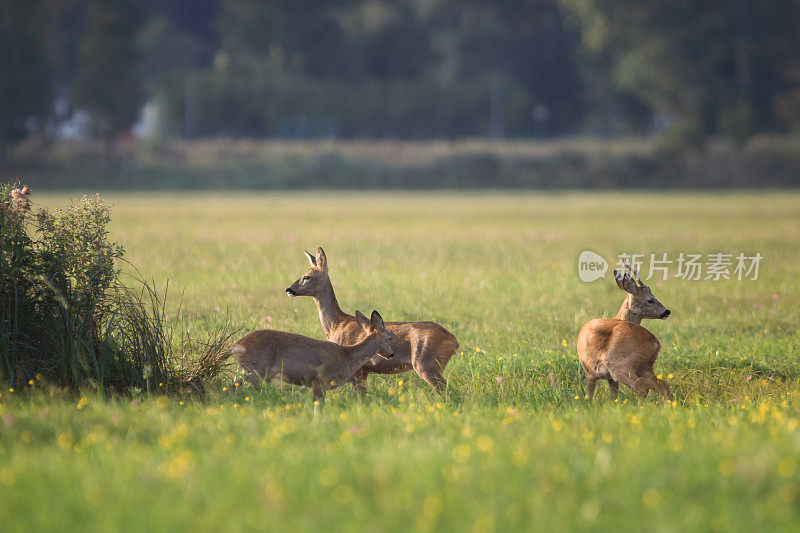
<point x="330" y="314"/>
<point x="626" y="313"/>
<point x="358" y="355"/>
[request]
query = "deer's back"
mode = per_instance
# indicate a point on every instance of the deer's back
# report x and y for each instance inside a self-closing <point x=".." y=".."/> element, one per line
<point x="602" y="338"/>
<point x="403" y="334"/>
<point x="292" y="354"/>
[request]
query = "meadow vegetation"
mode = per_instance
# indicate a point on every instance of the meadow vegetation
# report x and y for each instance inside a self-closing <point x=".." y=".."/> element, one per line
<point x="512" y="446"/>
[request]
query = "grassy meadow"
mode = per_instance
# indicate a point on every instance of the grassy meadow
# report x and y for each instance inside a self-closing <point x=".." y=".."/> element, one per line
<point x="514" y="446"/>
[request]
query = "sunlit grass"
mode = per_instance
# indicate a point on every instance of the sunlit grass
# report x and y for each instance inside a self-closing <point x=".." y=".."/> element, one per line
<point x="514" y="445"/>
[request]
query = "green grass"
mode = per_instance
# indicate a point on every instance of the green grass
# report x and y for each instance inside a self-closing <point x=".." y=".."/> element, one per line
<point x="513" y="447"/>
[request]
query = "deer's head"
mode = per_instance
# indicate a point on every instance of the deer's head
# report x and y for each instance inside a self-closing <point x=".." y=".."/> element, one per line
<point x="315" y="279"/>
<point x="640" y="299"/>
<point x="374" y="326"/>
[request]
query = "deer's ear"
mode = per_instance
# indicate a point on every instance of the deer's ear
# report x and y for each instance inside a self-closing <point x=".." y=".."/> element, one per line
<point x="363" y="321"/>
<point x="322" y="261"/>
<point x="377" y="322"/>
<point x="617" y="277"/>
<point x="311" y="259"/>
<point x="625" y="282"/>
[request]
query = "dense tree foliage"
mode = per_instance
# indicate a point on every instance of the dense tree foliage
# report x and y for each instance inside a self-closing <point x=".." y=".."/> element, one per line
<point x="402" y="68"/>
<point x="107" y="82"/>
<point x="719" y="66"/>
<point x="26" y="81"/>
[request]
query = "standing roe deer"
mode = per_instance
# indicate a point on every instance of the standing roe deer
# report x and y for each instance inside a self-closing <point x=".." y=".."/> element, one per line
<point x="301" y="360"/>
<point x="424" y="346"/>
<point x="619" y="349"/>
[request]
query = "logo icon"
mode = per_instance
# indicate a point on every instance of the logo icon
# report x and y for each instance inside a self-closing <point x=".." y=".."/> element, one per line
<point x="591" y="266"/>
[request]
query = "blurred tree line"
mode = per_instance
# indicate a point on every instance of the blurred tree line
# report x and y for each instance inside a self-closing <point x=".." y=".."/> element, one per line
<point x="402" y="68"/>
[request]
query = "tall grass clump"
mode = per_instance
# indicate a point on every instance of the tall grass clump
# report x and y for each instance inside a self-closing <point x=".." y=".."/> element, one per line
<point x="65" y="314"/>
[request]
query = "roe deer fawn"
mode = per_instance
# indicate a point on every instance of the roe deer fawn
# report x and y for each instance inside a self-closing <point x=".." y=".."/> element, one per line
<point x="424" y="346"/>
<point x="619" y="349"/>
<point x="301" y="360"/>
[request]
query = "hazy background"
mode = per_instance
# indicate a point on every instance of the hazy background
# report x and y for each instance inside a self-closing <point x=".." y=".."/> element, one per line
<point x="401" y="93"/>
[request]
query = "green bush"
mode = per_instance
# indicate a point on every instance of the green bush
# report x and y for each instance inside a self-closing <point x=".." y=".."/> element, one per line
<point x="66" y="316"/>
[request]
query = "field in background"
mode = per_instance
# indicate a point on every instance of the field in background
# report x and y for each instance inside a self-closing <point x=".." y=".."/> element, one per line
<point x="513" y="447"/>
<point x="462" y="164"/>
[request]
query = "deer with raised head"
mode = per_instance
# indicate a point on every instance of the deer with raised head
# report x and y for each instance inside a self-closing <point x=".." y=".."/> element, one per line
<point x="620" y="349"/>
<point x="425" y="347"/>
<point x="300" y="360"/>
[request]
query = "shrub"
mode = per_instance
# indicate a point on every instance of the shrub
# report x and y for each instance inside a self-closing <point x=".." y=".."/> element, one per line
<point x="65" y="314"/>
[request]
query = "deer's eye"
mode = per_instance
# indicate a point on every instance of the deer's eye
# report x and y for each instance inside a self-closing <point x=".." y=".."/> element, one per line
<point x="651" y="301"/>
<point x="306" y="278"/>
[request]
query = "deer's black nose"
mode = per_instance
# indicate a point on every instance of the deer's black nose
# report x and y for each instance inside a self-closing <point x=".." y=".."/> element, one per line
<point x="290" y="292"/>
<point x="665" y="314"/>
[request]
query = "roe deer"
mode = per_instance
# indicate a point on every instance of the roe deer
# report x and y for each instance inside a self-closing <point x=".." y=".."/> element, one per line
<point x="619" y="349"/>
<point x="424" y="346"/>
<point x="301" y="360"/>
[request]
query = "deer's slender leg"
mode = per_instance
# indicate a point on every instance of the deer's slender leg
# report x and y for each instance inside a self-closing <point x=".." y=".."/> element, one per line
<point x="319" y="390"/>
<point x="434" y="378"/>
<point x="642" y="388"/>
<point x="436" y="358"/>
<point x="424" y="363"/>
<point x="250" y="376"/>
<point x="359" y="382"/>
<point x="658" y="385"/>
<point x="627" y="375"/>
<point x="613" y="385"/>
<point x="649" y="381"/>
<point x="665" y="391"/>
<point x="430" y="371"/>
<point x="590" y="383"/>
